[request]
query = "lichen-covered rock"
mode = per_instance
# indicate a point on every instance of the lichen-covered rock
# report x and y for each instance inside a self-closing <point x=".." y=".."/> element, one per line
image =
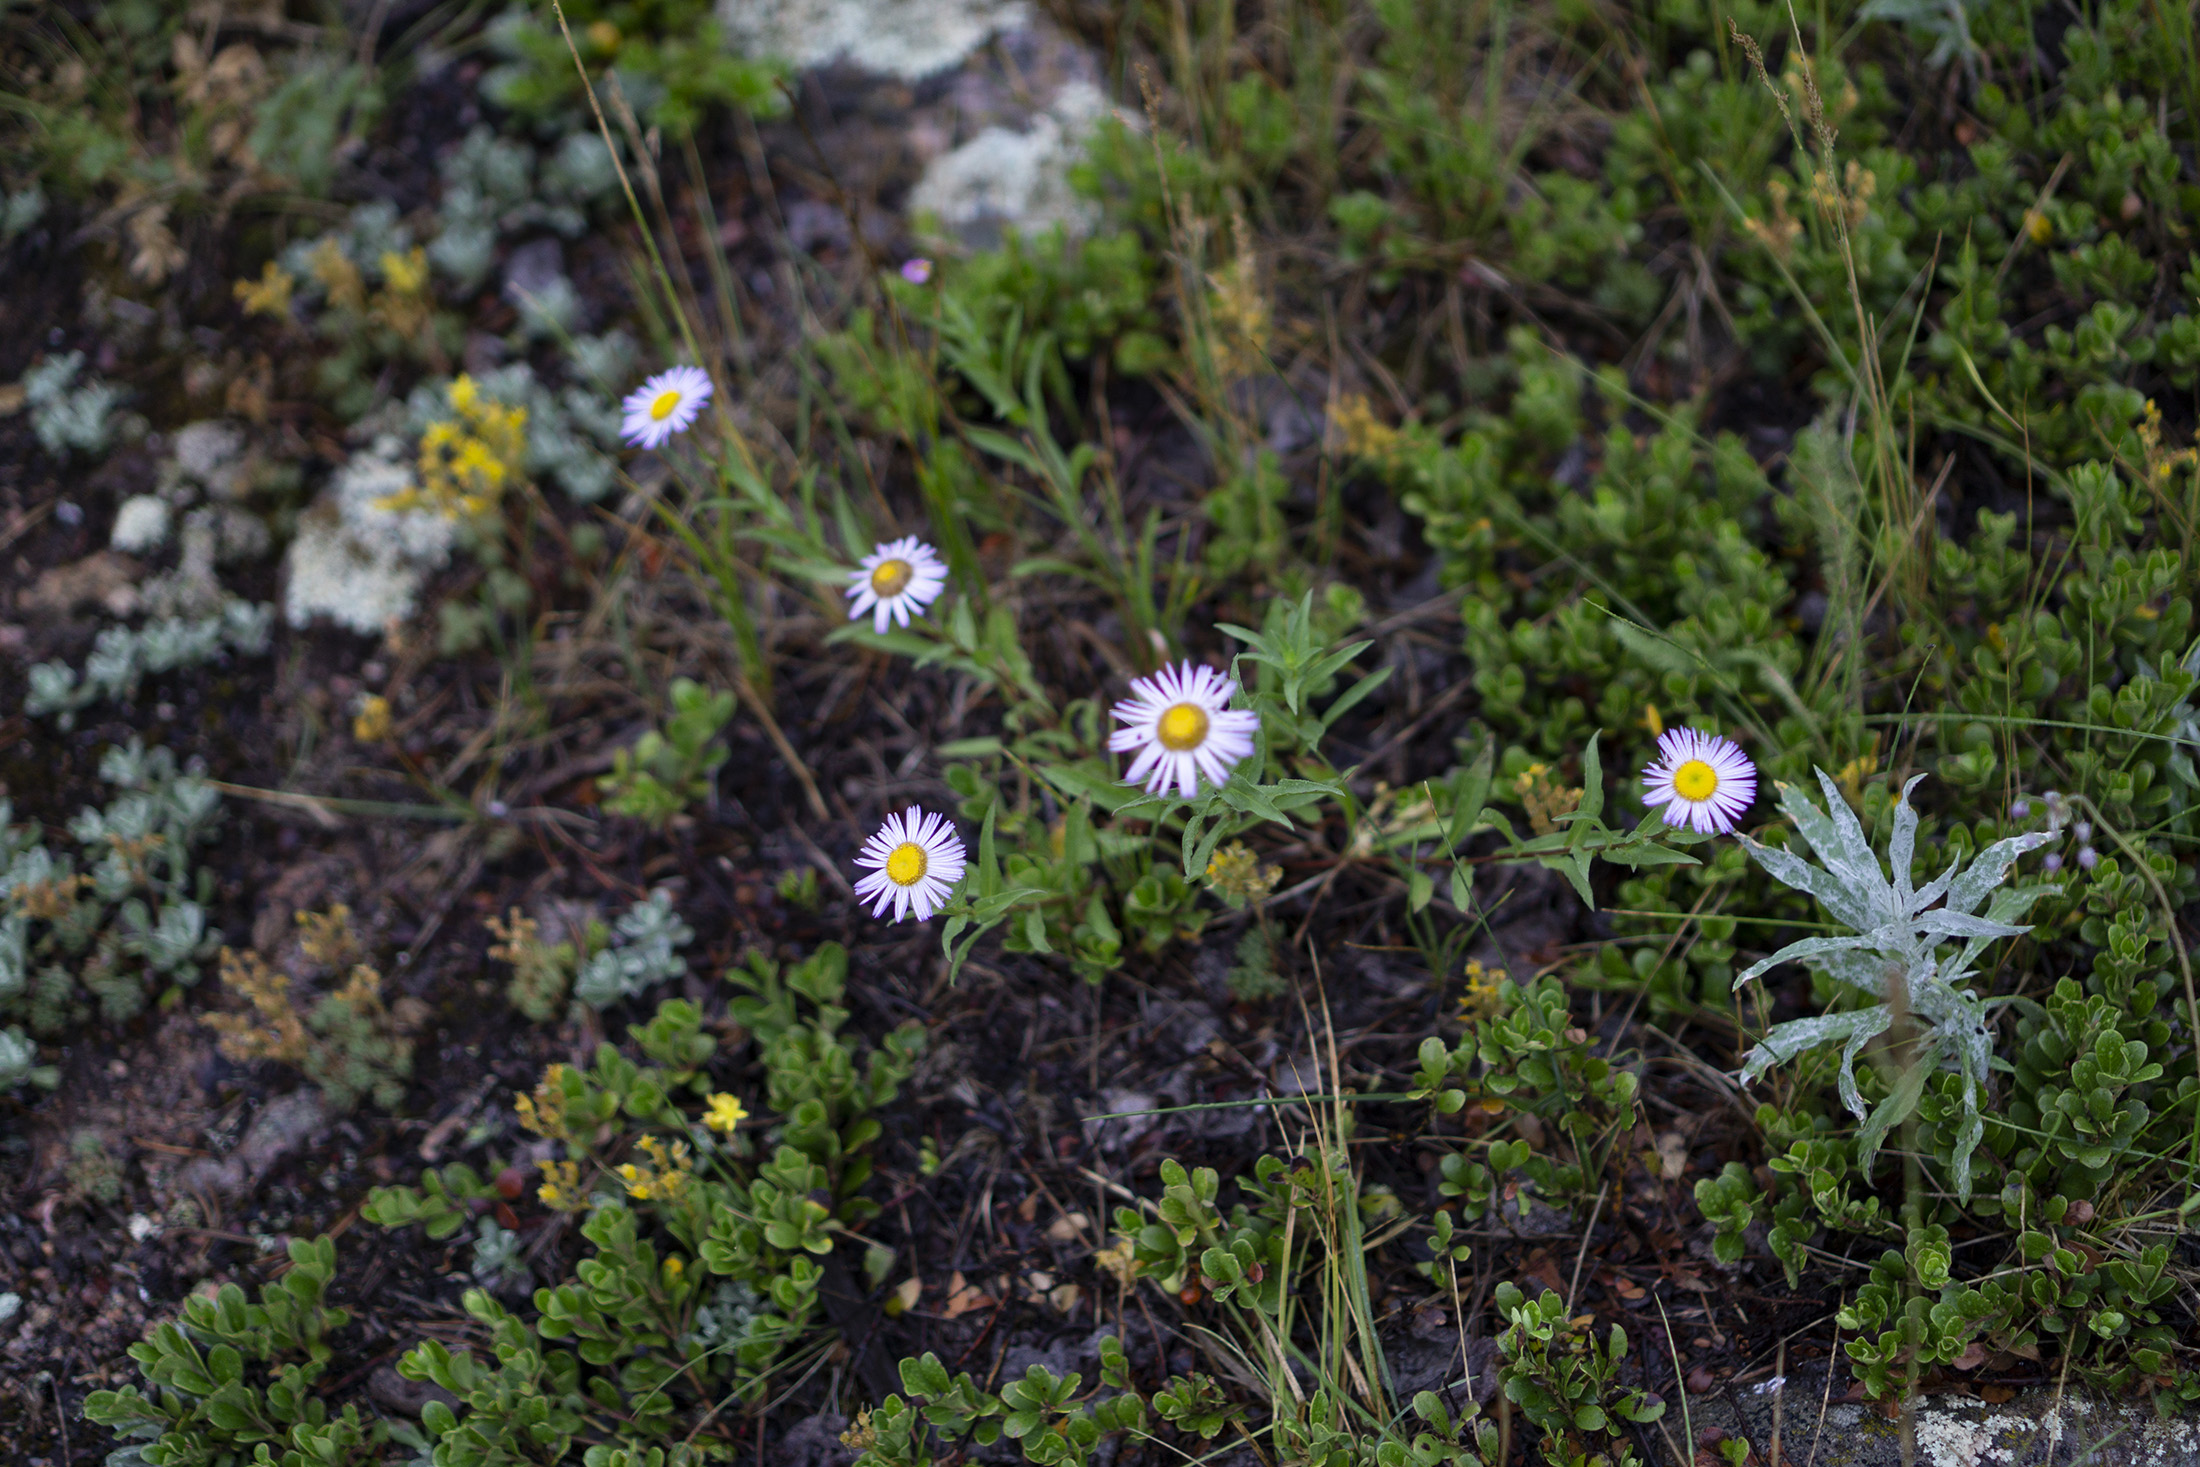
<point x="357" y="562"/>
<point x="909" y="39"/>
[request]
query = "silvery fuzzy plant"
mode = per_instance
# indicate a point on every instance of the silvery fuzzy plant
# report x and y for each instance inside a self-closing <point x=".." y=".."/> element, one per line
<point x="1899" y="939"/>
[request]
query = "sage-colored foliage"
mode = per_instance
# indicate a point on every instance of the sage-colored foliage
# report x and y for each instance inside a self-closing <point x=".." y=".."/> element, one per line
<point x="124" y="918"/>
<point x="1895" y="956"/>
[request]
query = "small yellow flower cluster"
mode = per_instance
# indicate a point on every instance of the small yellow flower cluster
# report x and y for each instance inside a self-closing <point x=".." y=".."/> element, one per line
<point x="407" y="274"/>
<point x="335" y="273"/>
<point x="1120" y="1262"/>
<point x="1239" y="311"/>
<point x="362" y="991"/>
<point x="278" y="1033"/>
<point x="726" y="1112"/>
<point x="861" y="1436"/>
<point x="326" y="938"/>
<point x="404" y="304"/>
<point x="561" y="1188"/>
<point x="50" y="901"/>
<point x="270" y="294"/>
<point x="373" y="722"/>
<point x="1857" y="770"/>
<point x="544" y="1111"/>
<point x="1236" y="875"/>
<point x="1481" y="999"/>
<point x="666" y="1174"/>
<point x="1545" y="798"/>
<point x="1359" y="432"/>
<point x="467" y="462"/>
<point x="2162" y="462"/>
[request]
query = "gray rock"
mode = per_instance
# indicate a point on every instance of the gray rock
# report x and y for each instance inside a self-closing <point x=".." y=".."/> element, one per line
<point x="284" y="1125"/>
<point x="814" y="224"/>
<point x="392" y="1392"/>
<point x="532" y="269"/>
<point x="814" y="1441"/>
<point x="2035" y="1429"/>
<point x="1121" y="1132"/>
<point x="909" y="39"/>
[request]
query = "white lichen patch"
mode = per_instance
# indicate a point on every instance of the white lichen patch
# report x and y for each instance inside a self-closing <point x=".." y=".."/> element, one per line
<point x="355" y="562"/>
<point x="908" y="39"/>
<point x="191" y="590"/>
<point x="2158" y="1443"/>
<point x="211" y="455"/>
<point x="1947" y="1439"/>
<point x="1008" y="180"/>
<point x="141" y="525"/>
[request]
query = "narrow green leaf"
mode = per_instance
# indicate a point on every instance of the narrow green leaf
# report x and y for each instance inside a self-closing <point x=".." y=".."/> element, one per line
<point x="1592" y="781"/>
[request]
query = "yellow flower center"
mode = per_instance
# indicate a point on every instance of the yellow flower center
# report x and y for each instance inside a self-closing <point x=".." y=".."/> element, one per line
<point x="1695" y="780"/>
<point x="1182" y="728"/>
<point x="891" y="576"/>
<point x="905" y="867"/>
<point x="661" y="407"/>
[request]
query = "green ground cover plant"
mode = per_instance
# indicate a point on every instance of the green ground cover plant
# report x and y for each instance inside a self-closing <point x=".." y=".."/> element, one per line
<point x="707" y="1238"/>
<point x="1793" y="409"/>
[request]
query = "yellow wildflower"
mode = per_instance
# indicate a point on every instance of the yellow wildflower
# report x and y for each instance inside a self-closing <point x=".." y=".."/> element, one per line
<point x="407" y="274"/>
<point x="1865" y="765"/>
<point x="371" y="725"/>
<point x="561" y="1186"/>
<point x="726" y="1112"/>
<point x="1119" y="1261"/>
<point x="327" y="938"/>
<point x="861" y="1436"/>
<point x="2162" y="462"/>
<point x="275" y="1031"/>
<point x="467" y="461"/>
<point x="1236" y="875"/>
<point x="666" y="1174"/>
<point x="403" y="304"/>
<point x="336" y="274"/>
<point x="1359" y="432"/>
<point x="544" y="1111"/>
<point x="1238" y="311"/>
<point x="1481" y="999"/>
<point x="269" y="295"/>
<point x="1544" y="797"/>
